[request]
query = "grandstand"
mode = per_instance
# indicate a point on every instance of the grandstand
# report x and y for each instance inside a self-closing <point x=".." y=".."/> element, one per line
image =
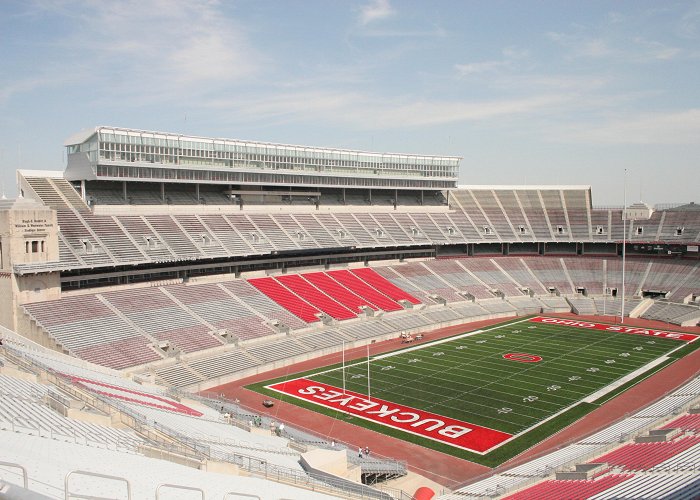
<point x="190" y="262"/>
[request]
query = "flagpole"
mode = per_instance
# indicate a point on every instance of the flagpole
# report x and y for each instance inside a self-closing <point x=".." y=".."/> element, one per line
<point x="624" y="243"/>
<point x="343" y="367"/>
<point x="369" y="393"/>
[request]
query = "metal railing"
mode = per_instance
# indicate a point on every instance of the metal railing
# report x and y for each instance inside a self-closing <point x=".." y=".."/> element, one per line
<point x="25" y="477"/>
<point x="178" y="487"/>
<point x="69" y="495"/>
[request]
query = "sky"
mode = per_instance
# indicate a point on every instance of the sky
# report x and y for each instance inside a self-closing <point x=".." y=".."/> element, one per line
<point x="527" y="92"/>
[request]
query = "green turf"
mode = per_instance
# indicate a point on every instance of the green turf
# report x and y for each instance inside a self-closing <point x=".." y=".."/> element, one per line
<point x="467" y="379"/>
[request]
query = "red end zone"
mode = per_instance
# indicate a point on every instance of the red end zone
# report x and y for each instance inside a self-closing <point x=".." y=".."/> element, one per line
<point x="630" y="330"/>
<point x="421" y="423"/>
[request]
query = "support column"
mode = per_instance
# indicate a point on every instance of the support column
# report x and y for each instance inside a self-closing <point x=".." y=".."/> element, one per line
<point x="124" y="193"/>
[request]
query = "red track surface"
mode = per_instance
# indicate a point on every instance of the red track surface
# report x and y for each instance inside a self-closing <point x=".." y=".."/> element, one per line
<point x="446" y="469"/>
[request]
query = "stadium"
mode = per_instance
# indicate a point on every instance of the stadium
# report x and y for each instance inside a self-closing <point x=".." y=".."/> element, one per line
<point x="243" y="319"/>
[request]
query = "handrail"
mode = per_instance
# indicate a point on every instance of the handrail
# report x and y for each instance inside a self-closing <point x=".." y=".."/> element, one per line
<point x="93" y="474"/>
<point x="178" y="487"/>
<point x="25" y="478"/>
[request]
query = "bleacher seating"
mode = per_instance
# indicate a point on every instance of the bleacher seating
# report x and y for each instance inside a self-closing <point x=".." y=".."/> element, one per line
<point x="466" y="202"/>
<point x="454" y="272"/>
<point x="352" y="226"/>
<point x="554" y="208"/>
<point x="571" y="489"/>
<point x="582" y="305"/>
<point x="635" y="272"/>
<point x="518" y="270"/>
<point x="550" y="272"/>
<point x="224" y="232"/>
<point x="689" y="422"/>
<point x="301" y="287"/>
<point x="338" y="292"/>
<point x="586" y="273"/>
<point x="289" y="300"/>
<point x="534" y="211"/>
<point x="89" y="239"/>
<point x="373" y="278"/>
<point x="270" y="229"/>
<point x="252" y="234"/>
<point x="578" y="210"/>
<point x="168" y="229"/>
<point x="643" y="456"/>
<point x="673" y="313"/>
<point x="498" y="306"/>
<point x="487" y="272"/>
<point x="85" y="326"/>
<point x="157" y="315"/>
<point x="612" y="306"/>
<point x="491" y="208"/>
<point x="223" y="364"/>
<point x="125" y="325"/>
<point x="519" y="214"/>
<point x="358" y="286"/>
<point x="653" y="487"/>
<point x="416" y="276"/>
<point x="525" y="304"/>
<point x="213" y="305"/>
<point x="262" y="304"/>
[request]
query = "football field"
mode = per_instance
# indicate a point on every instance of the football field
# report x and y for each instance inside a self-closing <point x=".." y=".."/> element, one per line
<point x="478" y="391"/>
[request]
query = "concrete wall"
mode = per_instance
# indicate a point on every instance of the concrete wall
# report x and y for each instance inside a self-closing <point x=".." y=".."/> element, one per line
<point x="28" y="235"/>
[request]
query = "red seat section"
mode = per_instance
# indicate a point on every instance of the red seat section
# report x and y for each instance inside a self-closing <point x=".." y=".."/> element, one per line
<point x="352" y="282"/>
<point x="310" y="293"/>
<point x="336" y="291"/>
<point x="286" y="299"/>
<point x="383" y="285"/>
<point x="642" y="456"/>
<point x="569" y="489"/>
<point x="686" y="422"/>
